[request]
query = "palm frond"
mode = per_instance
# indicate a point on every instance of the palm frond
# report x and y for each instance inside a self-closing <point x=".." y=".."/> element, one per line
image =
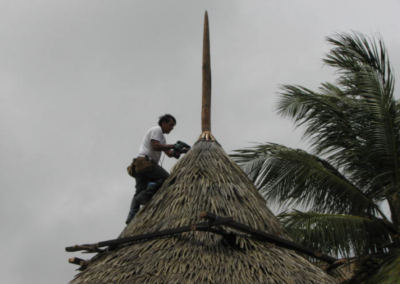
<point x="390" y="270"/>
<point x="324" y="114"/>
<point x="366" y="72"/>
<point x="337" y="234"/>
<point x="294" y="177"/>
<point x="354" y="53"/>
<point x="355" y="125"/>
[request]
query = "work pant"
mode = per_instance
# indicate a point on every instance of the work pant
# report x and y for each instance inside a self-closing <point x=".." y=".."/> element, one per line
<point x="157" y="175"/>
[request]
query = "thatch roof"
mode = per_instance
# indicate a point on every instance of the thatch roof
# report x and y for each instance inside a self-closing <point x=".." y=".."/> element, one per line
<point x="206" y="179"/>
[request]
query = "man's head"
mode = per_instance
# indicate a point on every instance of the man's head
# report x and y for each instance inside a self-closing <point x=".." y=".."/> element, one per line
<point x="167" y="123"/>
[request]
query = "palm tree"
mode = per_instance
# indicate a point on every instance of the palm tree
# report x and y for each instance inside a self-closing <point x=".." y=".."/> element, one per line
<point x="353" y="167"/>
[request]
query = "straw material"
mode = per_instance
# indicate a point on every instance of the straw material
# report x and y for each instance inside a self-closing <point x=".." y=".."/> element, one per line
<point x="205" y="179"/>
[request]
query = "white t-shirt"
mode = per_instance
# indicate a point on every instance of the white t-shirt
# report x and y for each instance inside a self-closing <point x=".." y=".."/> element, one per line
<point x="154" y="133"/>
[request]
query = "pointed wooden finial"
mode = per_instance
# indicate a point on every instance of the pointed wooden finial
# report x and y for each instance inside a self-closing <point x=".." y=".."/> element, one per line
<point x="206" y="92"/>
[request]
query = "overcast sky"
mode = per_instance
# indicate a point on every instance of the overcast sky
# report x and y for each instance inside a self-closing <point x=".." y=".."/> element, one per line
<point x="82" y="80"/>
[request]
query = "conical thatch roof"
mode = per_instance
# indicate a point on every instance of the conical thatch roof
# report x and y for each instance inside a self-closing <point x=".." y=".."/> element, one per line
<point x="206" y="179"/>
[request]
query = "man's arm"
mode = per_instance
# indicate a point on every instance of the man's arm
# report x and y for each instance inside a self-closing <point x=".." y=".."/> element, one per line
<point x="157" y="146"/>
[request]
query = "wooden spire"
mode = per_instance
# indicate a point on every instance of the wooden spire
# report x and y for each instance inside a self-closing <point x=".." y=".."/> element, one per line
<point x="206" y="91"/>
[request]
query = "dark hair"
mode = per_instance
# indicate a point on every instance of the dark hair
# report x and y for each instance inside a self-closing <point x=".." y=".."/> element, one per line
<point x="166" y="118"/>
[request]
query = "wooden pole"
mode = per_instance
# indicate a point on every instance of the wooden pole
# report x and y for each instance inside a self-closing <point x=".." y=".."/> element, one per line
<point x="204" y="226"/>
<point x="206" y="91"/>
<point x="77" y="261"/>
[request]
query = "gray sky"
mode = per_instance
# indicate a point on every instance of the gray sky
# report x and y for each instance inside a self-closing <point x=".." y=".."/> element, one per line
<point x="82" y="81"/>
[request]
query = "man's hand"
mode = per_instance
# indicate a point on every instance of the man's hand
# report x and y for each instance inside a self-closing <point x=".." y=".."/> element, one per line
<point x="175" y="154"/>
<point x="177" y="149"/>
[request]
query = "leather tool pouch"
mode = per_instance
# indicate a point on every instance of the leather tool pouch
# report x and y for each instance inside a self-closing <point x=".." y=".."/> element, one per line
<point x="140" y="165"/>
<point x="131" y="170"/>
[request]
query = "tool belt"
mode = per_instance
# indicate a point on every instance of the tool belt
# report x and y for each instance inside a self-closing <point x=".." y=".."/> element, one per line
<point x="140" y="165"/>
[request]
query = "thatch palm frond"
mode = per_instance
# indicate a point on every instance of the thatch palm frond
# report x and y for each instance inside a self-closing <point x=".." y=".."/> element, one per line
<point x="294" y="177"/>
<point x="336" y="234"/>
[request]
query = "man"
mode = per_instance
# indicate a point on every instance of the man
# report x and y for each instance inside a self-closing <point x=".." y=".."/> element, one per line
<point x="148" y="174"/>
